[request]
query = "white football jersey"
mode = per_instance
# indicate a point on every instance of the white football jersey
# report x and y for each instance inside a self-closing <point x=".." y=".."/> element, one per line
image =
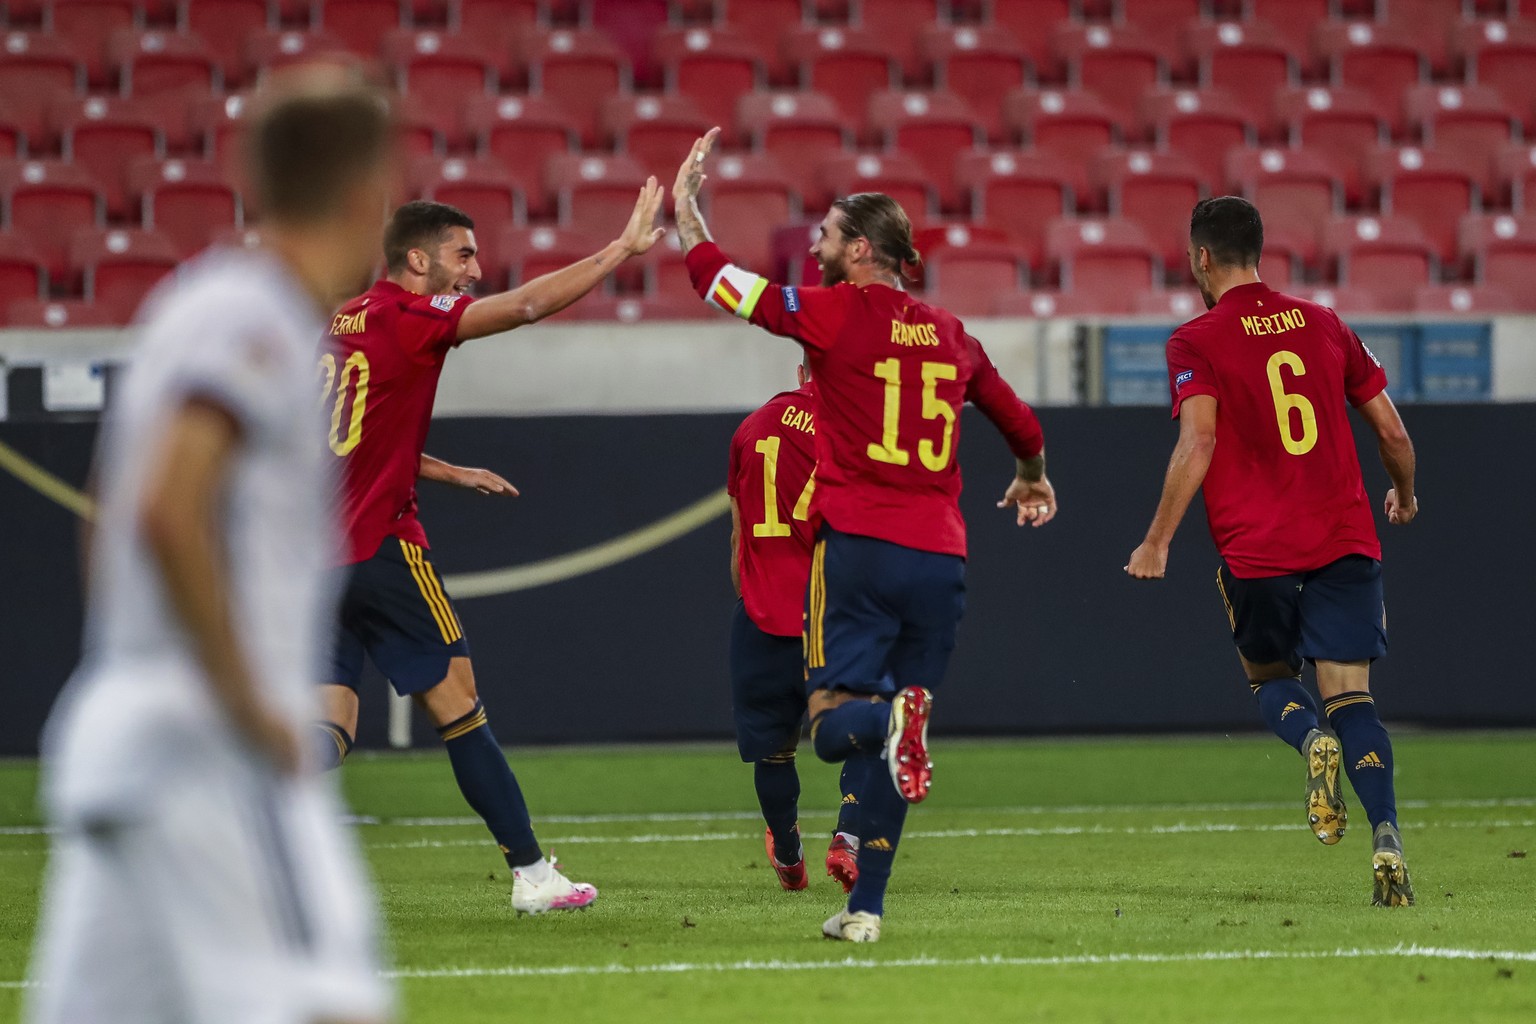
<point x="234" y="327"/>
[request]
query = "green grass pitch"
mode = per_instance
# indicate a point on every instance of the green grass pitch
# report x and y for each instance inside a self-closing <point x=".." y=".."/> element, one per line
<point x="1124" y="880"/>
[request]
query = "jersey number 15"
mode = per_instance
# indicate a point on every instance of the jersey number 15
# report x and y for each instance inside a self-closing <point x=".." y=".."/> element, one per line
<point x="889" y="450"/>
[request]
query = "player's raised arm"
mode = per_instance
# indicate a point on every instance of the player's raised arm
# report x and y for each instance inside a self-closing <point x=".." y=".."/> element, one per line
<point x="550" y="293"/>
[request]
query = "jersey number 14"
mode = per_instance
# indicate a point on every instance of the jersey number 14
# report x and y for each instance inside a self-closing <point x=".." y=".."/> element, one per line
<point x="772" y="525"/>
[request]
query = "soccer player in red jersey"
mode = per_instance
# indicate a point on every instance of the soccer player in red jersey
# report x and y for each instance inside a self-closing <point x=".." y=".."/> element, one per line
<point x="771" y="480"/>
<point x="1262" y="385"/>
<point x="887" y="584"/>
<point x="380" y="379"/>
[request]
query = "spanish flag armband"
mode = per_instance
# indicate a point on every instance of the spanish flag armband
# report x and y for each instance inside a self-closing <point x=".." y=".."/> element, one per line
<point x="736" y="291"/>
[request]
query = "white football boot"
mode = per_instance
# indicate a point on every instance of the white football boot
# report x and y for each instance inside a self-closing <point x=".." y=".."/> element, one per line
<point x="855" y="926"/>
<point x="555" y="892"/>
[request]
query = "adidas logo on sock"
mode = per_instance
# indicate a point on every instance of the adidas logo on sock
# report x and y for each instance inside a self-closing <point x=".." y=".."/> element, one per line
<point x="878" y="844"/>
<point x="1292" y="706"/>
<point x="849" y="798"/>
<point x="1370" y="761"/>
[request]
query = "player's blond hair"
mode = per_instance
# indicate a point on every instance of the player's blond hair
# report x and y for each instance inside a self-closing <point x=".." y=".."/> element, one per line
<point x="878" y="218"/>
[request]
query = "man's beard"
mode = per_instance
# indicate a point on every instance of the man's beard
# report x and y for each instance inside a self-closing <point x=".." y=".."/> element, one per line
<point x="439" y="281"/>
<point x="833" y="272"/>
<point x="1210" y="300"/>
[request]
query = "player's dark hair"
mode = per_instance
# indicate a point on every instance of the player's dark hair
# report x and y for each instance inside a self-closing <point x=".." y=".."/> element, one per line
<point x="312" y="137"/>
<point x="419" y="224"/>
<point x="1230" y="229"/>
<point x="880" y="219"/>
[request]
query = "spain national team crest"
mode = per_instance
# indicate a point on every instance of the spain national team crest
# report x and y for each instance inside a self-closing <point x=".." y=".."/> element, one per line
<point x="444" y="302"/>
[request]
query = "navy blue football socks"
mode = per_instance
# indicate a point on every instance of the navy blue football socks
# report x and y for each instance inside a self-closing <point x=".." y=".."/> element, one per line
<point x="1367" y="753"/>
<point x="332" y="745"/>
<point x="778" y="794"/>
<point x="851" y="782"/>
<point x="882" y="814"/>
<point x="859" y="725"/>
<point x="1288" y="709"/>
<point x="486" y="780"/>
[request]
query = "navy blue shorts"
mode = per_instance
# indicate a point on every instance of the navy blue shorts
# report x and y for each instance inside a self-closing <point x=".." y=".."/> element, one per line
<point x="767" y="688"/>
<point x="879" y="616"/>
<point x="1335" y="613"/>
<point x="395" y="610"/>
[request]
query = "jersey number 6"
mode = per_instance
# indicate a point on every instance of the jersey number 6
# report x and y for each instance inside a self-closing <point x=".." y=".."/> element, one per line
<point x="1285" y="402"/>
<point x="343" y="443"/>
<point x="889" y="449"/>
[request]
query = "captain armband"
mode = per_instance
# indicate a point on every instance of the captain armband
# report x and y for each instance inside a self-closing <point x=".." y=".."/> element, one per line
<point x="736" y="291"/>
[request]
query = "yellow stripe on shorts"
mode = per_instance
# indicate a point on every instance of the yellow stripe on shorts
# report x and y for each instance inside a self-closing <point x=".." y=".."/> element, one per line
<point x="432" y="592"/>
<point x="816" y="652"/>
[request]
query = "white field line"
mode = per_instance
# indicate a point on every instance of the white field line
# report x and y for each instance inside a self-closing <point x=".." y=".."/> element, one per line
<point x="1205" y="828"/>
<point x="854" y="963"/>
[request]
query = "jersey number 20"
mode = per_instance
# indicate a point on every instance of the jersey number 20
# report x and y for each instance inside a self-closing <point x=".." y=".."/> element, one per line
<point x="344" y="439"/>
<point x="889" y="449"/>
<point x="1286" y="401"/>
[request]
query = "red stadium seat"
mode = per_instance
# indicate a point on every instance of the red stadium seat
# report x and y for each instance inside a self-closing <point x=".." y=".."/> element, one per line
<point x="360" y="25"/>
<point x="900" y="22"/>
<point x="791" y="247"/>
<point x="121" y="266"/>
<point x="1502" y="55"/>
<point x="966" y="280"/>
<point x="223" y="26"/>
<point x="522" y="133"/>
<point x="597" y="193"/>
<point x="1047" y="304"/>
<point x="1342" y="124"/>
<point x="1181" y="305"/>
<point x="218" y="122"/>
<point x="62" y="314"/>
<point x="1284" y="257"/>
<point x="1156" y="191"/>
<point x="481" y="188"/>
<point x="45" y="200"/>
<point x="1202" y="124"/>
<point x="13" y="134"/>
<point x="1117" y="65"/>
<point x="1472" y="300"/>
<point x="1295" y="190"/>
<point x="102" y="136"/>
<point x="655" y="130"/>
<point x="1292" y="19"/>
<point x="1107" y="258"/>
<point x="798" y="129"/>
<point x="577" y="69"/>
<point x="1070" y="127"/>
<point x="187" y="201"/>
<point x="35" y="70"/>
<point x="897" y="174"/>
<point x="1502" y="251"/>
<point x="89" y="26"/>
<point x="154" y="62"/>
<point x="932" y="127"/>
<point x="980" y="65"/>
<point x="426" y="128"/>
<point x="22" y="273"/>
<point x="1033" y="23"/>
<point x="849" y="65"/>
<point x="631" y="25"/>
<point x="1390" y="256"/>
<point x="441" y="67"/>
<point x="1161" y="21"/>
<point x="268" y="51"/>
<point x="496" y="22"/>
<point x="665" y="271"/>
<point x="712" y="67"/>
<point x="1429" y="188"/>
<point x="533" y="252"/>
<point x="1249" y="61"/>
<point x="1381" y="60"/>
<point x="1344" y="299"/>
<point x="765" y="20"/>
<point x="1515" y="170"/>
<point x="1471" y="123"/>
<point x="748" y="197"/>
<point x="1016" y="192"/>
<point x="1431" y="23"/>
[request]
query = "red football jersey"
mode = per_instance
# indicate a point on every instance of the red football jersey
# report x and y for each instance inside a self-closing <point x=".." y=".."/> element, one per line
<point x="1284" y="492"/>
<point x="772" y="478"/>
<point x="380" y="380"/>
<point x="891" y="373"/>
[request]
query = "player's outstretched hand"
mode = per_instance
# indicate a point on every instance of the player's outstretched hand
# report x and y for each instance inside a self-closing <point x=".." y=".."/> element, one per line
<point x="641" y="233"/>
<point x="1399" y="512"/>
<point x="1035" y="500"/>
<point x="484" y="481"/>
<point x="1148" y="562"/>
<point x="690" y="176"/>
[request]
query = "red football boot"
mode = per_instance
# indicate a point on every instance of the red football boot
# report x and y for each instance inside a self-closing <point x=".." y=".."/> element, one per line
<point x="906" y="746"/>
<point x="843" y="863"/>
<point x="791" y="876"/>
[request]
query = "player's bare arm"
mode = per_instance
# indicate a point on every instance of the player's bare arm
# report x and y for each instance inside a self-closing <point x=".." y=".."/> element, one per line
<point x="1031" y="493"/>
<point x="179" y="518"/>
<point x="1186" y="472"/>
<point x="691" y="230"/>
<point x="736" y="546"/>
<point x="482" y="480"/>
<point x="1396" y="450"/>
<point x="550" y="293"/>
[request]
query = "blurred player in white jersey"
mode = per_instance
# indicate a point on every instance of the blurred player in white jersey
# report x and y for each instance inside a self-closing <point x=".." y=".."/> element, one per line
<point x="200" y="872"/>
